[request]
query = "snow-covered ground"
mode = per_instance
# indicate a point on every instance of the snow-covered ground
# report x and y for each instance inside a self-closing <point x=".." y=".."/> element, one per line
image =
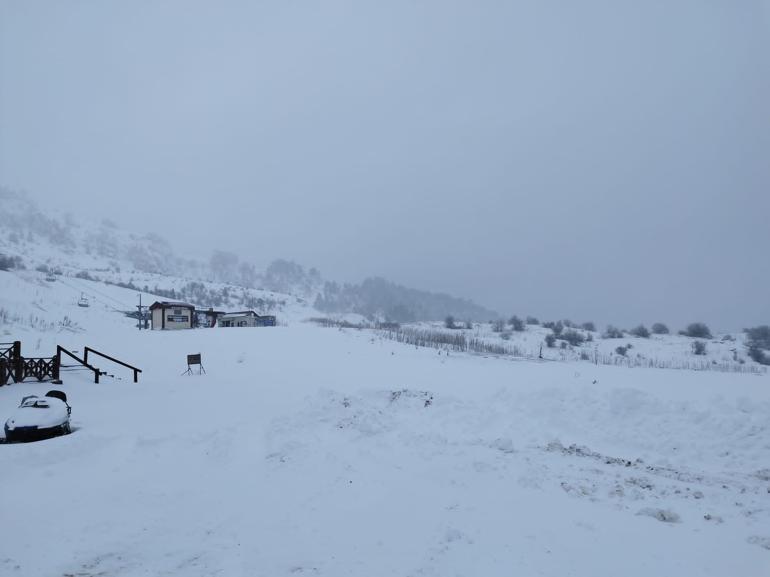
<point x="312" y="451"/>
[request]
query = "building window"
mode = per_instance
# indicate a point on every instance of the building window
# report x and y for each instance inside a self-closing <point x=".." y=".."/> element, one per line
<point x="177" y="312"/>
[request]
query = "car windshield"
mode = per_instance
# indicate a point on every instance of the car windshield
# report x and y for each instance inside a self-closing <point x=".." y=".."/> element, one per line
<point x="36" y="403"/>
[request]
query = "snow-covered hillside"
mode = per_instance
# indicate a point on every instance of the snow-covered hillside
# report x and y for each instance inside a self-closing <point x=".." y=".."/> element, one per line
<point x="306" y="450"/>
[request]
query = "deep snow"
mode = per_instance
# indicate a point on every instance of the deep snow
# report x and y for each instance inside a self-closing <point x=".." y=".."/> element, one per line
<point x="330" y="452"/>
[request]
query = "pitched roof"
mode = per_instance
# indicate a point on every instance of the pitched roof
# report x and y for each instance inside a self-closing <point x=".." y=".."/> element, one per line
<point x="170" y="304"/>
<point x="240" y="314"/>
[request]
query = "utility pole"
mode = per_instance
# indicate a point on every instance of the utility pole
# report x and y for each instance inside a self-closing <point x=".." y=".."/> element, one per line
<point x="141" y="314"/>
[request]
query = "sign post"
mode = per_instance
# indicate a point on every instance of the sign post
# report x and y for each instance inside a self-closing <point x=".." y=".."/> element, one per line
<point x="194" y="360"/>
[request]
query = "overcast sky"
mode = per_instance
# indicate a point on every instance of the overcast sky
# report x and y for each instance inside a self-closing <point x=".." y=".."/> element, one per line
<point x="602" y="160"/>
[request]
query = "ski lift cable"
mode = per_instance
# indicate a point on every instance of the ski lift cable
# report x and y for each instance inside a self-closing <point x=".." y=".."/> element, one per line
<point x="106" y="296"/>
<point x="80" y="289"/>
<point x="92" y="289"/>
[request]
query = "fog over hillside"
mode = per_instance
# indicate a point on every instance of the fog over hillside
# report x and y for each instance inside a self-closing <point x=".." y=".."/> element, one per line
<point x="600" y="160"/>
<point x="40" y="238"/>
<point x="388" y="288"/>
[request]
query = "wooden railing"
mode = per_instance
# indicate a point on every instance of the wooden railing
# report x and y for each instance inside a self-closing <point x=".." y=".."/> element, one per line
<point x="6" y="371"/>
<point x="87" y="350"/>
<point x="60" y="350"/>
<point x="41" y="368"/>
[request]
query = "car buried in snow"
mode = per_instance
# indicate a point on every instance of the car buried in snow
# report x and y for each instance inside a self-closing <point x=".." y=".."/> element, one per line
<point x="38" y="418"/>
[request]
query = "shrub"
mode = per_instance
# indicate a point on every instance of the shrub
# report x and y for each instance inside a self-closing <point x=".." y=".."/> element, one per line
<point x="641" y="332"/>
<point x="557" y="327"/>
<point x="42" y="268"/>
<point x="532" y="321"/>
<point x="613" y="333"/>
<point x="517" y="323"/>
<point x="584" y="356"/>
<point x="697" y="331"/>
<point x="589" y="338"/>
<point x="84" y="275"/>
<point x="659" y="329"/>
<point x="758" y="337"/>
<point x="498" y="325"/>
<point x="468" y="324"/>
<point x="621" y="351"/>
<point x="550" y="340"/>
<point x="757" y="341"/>
<point x="568" y="323"/>
<point x="699" y="347"/>
<point x="573" y="337"/>
<point x="11" y="262"/>
<point x="449" y="322"/>
<point x="758" y="356"/>
<point x="588" y="326"/>
<point x="505" y="335"/>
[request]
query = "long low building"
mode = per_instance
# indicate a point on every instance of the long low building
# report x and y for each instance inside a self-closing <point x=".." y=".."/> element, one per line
<point x="173" y="315"/>
<point x="245" y="319"/>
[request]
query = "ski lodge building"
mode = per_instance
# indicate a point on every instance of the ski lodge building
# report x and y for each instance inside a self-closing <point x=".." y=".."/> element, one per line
<point x="173" y="315"/>
<point x="170" y="315"/>
<point x="245" y="319"/>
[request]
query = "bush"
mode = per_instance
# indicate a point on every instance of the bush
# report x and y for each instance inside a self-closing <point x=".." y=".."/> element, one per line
<point x="613" y="333"/>
<point x="621" y="351"/>
<point x="532" y="321"/>
<point x="589" y="338"/>
<point x="563" y="344"/>
<point x="699" y="348"/>
<point x="84" y="275"/>
<point x="697" y="331"/>
<point x="550" y="340"/>
<point x="584" y="356"/>
<point x="42" y="268"/>
<point x="659" y="329"/>
<point x="517" y="323"/>
<point x="758" y="337"/>
<point x="468" y="324"/>
<point x="573" y="337"/>
<point x="11" y="262"/>
<point x="568" y="323"/>
<point x="757" y="341"/>
<point x="557" y="327"/>
<point x="449" y="322"/>
<point x="641" y="332"/>
<point x="589" y="326"/>
<point x="498" y="325"/>
<point x="758" y="356"/>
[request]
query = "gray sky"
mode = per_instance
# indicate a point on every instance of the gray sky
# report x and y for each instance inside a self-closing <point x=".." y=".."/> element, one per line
<point x="603" y="160"/>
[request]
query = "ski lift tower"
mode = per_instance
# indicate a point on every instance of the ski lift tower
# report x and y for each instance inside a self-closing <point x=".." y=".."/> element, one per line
<point x="143" y="316"/>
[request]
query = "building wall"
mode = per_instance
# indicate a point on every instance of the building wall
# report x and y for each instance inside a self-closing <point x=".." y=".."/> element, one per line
<point x="247" y="319"/>
<point x="157" y="319"/>
<point x="159" y="313"/>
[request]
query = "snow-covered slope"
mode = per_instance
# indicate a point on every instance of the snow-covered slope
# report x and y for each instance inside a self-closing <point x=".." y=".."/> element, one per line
<point x="724" y="352"/>
<point x="316" y="451"/>
<point x="337" y="451"/>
